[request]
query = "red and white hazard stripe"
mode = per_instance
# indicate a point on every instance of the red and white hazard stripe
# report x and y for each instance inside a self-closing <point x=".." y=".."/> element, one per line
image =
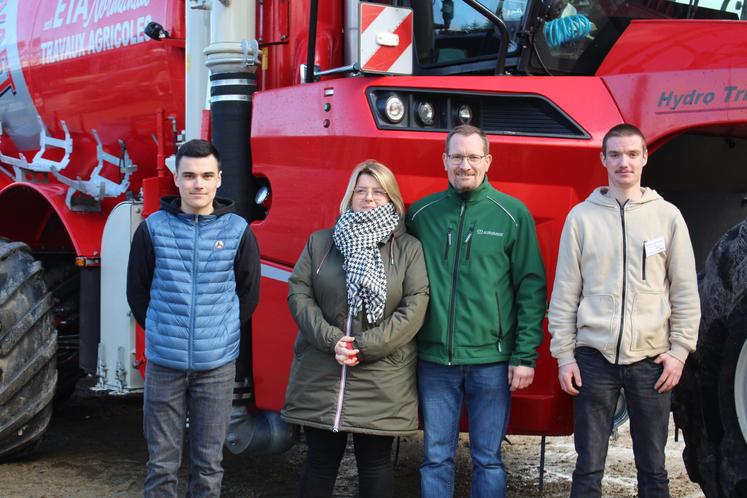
<point x="375" y="57"/>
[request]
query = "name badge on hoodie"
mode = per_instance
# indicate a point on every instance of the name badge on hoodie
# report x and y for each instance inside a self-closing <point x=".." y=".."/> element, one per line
<point x="654" y="246"/>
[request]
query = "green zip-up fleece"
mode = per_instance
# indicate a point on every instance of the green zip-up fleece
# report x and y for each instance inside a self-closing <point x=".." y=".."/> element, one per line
<point x="488" y="293"/>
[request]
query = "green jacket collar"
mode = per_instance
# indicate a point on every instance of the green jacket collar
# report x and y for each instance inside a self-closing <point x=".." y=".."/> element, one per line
<point x="471" y="196"/>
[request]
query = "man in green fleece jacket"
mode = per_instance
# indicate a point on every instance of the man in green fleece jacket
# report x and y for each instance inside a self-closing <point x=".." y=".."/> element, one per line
<point x="483" y="325"/>
<point x="624" y="315"/>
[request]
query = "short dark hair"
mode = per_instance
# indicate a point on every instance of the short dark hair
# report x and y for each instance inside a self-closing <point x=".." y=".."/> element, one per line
<point x="197" y="148"/>
<point x="623" y="130"/>
<point x="468" y="130"/>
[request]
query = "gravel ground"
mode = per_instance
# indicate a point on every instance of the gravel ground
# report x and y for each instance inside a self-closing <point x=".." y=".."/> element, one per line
<point x="94" y="448"/>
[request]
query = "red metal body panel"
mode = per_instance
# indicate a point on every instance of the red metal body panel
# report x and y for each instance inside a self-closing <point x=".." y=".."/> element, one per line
<point x="644" y="72"/>
<point x="45" y="223"/>
<point x="140" y="349"/>
<point x="86" y="63"/>
<point x="116" y="91"/>
<point x="285" y="31"/>
<point x="671" y="45"/>
<point x="327" y="155"/>
<point x="273" y="335"/>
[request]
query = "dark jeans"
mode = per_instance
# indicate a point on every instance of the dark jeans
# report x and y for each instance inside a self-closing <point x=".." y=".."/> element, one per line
<point x="373" y="455"/>
<point x="171" y="395"/>
<point x="593" y="410"/>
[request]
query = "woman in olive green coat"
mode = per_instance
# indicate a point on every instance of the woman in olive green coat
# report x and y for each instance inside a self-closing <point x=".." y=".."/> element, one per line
<point x="366" y="276"/>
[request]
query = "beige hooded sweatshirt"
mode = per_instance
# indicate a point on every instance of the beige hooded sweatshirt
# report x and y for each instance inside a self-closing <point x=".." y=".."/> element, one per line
<point x="625" y="283"/>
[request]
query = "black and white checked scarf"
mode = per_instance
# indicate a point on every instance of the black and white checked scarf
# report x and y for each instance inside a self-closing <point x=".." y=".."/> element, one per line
<point x="357" y="235"/>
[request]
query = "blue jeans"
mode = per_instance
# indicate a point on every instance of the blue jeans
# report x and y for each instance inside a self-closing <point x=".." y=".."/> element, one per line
<point x="484" y="388"/>
<point x="170" y="396"/>
<point x="593" y="410"/>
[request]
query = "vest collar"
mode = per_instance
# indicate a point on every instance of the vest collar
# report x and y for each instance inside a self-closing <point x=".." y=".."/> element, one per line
<point x="172" y="204"/>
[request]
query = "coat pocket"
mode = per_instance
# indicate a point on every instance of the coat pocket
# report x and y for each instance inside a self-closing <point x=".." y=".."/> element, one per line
<point x="649" y="321"/>
<point x="595" y="313"/>
<point x="402" y="356"/>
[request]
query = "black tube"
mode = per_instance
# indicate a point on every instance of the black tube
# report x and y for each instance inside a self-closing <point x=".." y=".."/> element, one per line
<point x="502" y="29"/>
<point x="230" y="118"/>
<point x="310" y="51"/>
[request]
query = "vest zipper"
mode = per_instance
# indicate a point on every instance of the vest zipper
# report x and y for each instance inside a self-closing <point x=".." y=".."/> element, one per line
<point x="343" y="377"/>
<point x="468" y="240"/>
<point x="194" y="293"/>
<point x="625" y="278"/>
<point x="452" y="301"/>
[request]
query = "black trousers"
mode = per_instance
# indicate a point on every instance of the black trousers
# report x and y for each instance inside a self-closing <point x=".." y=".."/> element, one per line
<point x="373" y="454"/>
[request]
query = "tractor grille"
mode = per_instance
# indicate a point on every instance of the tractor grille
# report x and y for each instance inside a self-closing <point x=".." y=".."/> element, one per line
<point x="503" y="114"/>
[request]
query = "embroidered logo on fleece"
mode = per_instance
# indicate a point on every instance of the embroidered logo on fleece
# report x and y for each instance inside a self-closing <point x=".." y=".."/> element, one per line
<point x="480" y="231"/>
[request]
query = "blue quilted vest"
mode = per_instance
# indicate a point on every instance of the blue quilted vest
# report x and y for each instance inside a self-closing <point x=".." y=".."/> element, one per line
<point x="192" y="323"/>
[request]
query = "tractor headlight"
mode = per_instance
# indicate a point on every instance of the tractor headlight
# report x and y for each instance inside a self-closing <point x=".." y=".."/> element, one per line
<point x="394" y="109"/>
<point x="464" y="114"/>
<point x="426" y="113"/>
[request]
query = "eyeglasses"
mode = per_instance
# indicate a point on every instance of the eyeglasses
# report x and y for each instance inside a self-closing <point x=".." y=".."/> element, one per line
<point x="472" y="159"/>
<point x="377" y="193"/>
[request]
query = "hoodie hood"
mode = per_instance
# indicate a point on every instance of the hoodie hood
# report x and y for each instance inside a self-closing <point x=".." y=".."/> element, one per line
<point x="173" y="204"/>
<point x="599" y="196"/>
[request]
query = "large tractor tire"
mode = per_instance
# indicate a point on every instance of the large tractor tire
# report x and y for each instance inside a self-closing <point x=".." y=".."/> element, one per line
<point x="710" y="405"/>
<point x="28" y="342"/>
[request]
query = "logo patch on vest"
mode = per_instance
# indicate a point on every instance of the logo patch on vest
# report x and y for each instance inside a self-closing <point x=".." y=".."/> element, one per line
<point x="219" y="245"/>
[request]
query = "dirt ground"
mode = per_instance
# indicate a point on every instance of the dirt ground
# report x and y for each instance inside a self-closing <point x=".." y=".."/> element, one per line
<point x="94" y="448"/>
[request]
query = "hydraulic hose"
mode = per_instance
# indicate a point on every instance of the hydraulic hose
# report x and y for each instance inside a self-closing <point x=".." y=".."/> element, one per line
<point x="566" y="29"/>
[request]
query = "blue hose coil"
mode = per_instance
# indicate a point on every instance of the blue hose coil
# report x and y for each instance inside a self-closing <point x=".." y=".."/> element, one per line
<point x="566" y="29"/>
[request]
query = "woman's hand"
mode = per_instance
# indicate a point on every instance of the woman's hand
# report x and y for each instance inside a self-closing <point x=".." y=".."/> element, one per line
<point x="344" y="352"/>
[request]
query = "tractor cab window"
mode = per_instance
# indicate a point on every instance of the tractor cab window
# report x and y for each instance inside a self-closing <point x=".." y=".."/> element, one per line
<point x="576" y="35"/>
<point x="450" y="33"/>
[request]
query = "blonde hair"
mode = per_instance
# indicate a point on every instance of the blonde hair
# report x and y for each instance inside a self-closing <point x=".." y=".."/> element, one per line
<point x="381" y="174"/>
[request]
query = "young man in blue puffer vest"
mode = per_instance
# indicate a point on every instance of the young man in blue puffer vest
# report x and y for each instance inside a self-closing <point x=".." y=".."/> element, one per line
<point x="192" y="283"/>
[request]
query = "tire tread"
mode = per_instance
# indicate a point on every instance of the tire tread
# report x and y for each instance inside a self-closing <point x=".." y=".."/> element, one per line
<point x="28" y="344"/>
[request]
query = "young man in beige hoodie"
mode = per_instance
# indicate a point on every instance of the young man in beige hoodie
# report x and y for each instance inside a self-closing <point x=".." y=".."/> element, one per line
<point x="624" y="314"/>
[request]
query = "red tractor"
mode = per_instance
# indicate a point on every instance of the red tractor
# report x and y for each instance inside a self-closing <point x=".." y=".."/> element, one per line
<point x="95" y="95"/>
